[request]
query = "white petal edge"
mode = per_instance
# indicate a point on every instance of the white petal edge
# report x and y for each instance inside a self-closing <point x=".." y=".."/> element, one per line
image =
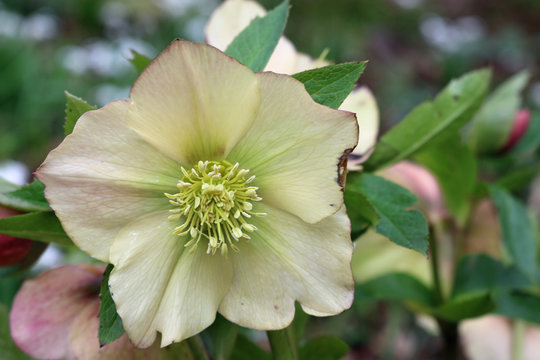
<point x="295" y="148"/>
<point x="229" y="19"/>
<point x="193" y="102"/>
<point x="157" y="285"/>
<point x="103" y="176"/>
<point x="362" y="102"/>
<point x="287" y="260"/>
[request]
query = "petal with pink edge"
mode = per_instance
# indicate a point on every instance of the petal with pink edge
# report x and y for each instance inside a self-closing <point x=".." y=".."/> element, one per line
<point x="287" y="260"/>
<point x="193" y="102"/>
<point x="158" y="285"/>
<point x="45" y="308"/>
<point x="295" y="149"/>
<point x="103" y="176"/>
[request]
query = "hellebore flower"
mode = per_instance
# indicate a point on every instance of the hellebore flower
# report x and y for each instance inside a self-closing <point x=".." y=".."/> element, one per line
<point x="232" y="16"/>
<point x="55" y="316"/>
<point x="211" y="189"/>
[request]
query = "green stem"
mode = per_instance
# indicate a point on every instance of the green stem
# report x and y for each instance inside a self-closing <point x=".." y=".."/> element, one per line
<point x="283" y="344"/>
<point x="197" y="348"/>
<point x="434" y="261"/>
<point x="449" y="330"/>
<point x="518" y="336"/>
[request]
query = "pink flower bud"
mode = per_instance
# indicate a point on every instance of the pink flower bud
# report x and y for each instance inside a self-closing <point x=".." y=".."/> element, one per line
<point x="519" y="127"/>
<point x="12" y="250"/>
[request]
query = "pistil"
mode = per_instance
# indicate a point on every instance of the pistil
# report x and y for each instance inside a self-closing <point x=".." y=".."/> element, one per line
<point x="214" y="202"/>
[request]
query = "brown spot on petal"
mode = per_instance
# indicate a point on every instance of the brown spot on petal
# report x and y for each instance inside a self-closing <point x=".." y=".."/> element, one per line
<point x="342" y="168"/>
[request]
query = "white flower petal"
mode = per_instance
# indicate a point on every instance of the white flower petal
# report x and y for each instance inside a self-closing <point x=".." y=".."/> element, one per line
<point x="287" y="260"/>
<point x="284" y="59"/>
<point x="229" y="19"/>
<point x="193" y="102"/>
<point x="158" y="285"/>
<point x="362" y="102"/>
<point x="232" y="16"/>
<point x="295" y="147"/>
<point x="103" y="176"/>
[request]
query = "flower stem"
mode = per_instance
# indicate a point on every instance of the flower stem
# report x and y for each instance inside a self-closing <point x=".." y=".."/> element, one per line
<point x="518" y="335"/>
<point x="197" y="348"/>
<point x="283" y="344"/>
<point x="434" y="260"/>
<point x="449" y="330"/>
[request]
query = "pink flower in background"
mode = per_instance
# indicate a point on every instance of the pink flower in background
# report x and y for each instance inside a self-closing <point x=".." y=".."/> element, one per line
<point x="55" y="316"/>
<point x="12" y="250"/>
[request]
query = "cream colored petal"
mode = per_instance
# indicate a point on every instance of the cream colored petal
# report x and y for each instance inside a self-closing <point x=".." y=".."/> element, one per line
<point x="287" y="260"/>
<point x="294" y="149"/>
<point x="103" y="176"/>
<point x="362" y="102"/>
<point x="284" y="59"/>
<point x="229" y="19"/>
<point x="193" y="102"/>
<point x="158" y="285"/>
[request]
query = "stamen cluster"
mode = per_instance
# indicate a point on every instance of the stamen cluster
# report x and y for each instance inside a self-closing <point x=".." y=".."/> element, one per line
<point x="214" y="202"/>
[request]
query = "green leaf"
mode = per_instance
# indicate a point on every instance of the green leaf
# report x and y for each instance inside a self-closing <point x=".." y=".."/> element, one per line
<point x="220" y="338"/>
<point x="40" y="226"/>
<point x="139" y="61"/>
<point x="6" y="186"/>
<point x="518" y="234"/>
<point x="247" y="350"/>
<point x="518" y="304"/>
<point x="478" y="273"/>
<point x="323" y="348"/>
<point x="75" y="107"/>
<point x="256" y="43"/>
<point x="110" y="324"/>
<point x="454" y="166"/>
<point x="432" y="122"/>
<point x="361" y="213"/>
<point x="330" y="85"/>
<point x="492" y="124"/>
<point x="520" y="177"/>
<point x="28" y="198"/>
<point x="466" y="306"/>
<point x="392" y="203"/>
<point x="397" y="286"/>
<point x="8" y="349"/>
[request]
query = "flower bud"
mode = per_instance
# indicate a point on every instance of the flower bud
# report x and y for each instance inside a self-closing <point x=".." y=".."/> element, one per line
<point x="519" y="127"/>
<point x="13" y="250"/>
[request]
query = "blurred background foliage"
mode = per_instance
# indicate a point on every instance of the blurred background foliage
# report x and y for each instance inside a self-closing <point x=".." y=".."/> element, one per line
<point x="414" y="48"/>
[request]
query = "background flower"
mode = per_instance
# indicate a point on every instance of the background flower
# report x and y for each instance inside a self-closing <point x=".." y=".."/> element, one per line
<point x="55" y="316"/>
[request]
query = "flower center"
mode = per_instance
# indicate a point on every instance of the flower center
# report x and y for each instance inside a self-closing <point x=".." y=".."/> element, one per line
<point x="214" y="201"/>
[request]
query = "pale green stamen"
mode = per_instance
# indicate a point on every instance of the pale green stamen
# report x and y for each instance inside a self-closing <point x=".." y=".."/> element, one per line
<point x="214" y="202"/>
